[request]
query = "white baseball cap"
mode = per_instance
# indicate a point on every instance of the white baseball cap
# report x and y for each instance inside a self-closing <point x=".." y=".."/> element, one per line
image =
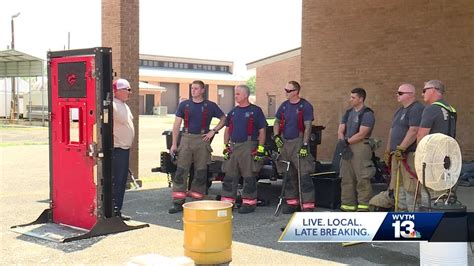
<point x="121" y="84"/>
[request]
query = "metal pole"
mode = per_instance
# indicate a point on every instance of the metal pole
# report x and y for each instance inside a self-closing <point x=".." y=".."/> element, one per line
<point x="13" y="100"/>
<point x="13" y="111"/>
<point x="42" y="94"/>
<point x="13" y="33"/>
<point x="5" y="100"/>
<point x="29" y="104"/>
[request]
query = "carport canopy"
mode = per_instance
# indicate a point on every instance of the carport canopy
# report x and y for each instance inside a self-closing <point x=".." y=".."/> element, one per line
<point x="147" y="86"/>
<point x="14" y="63"/>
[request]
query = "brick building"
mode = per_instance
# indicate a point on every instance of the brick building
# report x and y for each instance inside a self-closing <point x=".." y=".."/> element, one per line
<point x="120" y="30"/>
<point x="273" y="73"/>
<point x="377" y="45"/>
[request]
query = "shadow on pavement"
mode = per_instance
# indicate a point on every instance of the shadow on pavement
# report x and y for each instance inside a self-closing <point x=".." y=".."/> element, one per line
<point x="68" y="247"/>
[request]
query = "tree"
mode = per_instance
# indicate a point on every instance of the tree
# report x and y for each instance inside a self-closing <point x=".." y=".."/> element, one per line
<point x="251" y="84"/>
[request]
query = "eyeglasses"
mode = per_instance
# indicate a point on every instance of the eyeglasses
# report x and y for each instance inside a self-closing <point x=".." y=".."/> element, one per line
<point x="425" y="89"/>
<point x="400" y="93"/>
<point x="289" y="91"/>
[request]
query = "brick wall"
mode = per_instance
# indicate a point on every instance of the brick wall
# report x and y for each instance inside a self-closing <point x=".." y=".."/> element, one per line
<point x="120" y="28"/>
<point x="379" y="44"/>
<point x="272" y="78"/>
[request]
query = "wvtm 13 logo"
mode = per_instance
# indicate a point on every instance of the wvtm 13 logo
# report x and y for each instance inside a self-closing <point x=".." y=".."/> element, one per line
<point x="404" y="226"/>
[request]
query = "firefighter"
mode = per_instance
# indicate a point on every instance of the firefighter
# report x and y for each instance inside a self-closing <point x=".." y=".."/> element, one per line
<point x="400" y="151"/>
<point x="195" y="146"/>
<point x="291" y="130"/>
<point x="244" y="151"/>
<point x="438" y="117"/>
<point x="357" y="167"/>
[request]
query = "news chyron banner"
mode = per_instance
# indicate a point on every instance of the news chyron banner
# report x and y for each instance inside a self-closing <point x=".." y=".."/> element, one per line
<point x="376" y="226"/>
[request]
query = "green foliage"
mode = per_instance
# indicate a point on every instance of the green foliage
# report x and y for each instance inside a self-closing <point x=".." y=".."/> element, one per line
<point x="251" y="84"/>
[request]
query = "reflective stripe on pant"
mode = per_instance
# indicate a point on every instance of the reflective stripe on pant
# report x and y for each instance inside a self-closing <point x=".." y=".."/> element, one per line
<point x="289" y="152"/>
<point x="192" y="149"/>
<point x="120" y="162"/>
<point x="356" y="174"/>
<point x="240" y="164"/>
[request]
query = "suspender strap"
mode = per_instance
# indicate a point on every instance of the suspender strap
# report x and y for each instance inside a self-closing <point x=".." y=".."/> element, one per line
<point x="231" y="124"/>
<point x="204" y="118"/>
<point x="282" y="122"/>
<point x="250" y="126"/>
<point x="186" y="118"/>
<point x="452" y="115"/>
<point x="300" y="120"/>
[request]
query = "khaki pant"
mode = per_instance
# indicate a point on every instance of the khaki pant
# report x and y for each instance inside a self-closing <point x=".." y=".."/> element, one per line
<point x="289" y="152"/>
<point x="241" y="164"/>
<point x="356" y="173"/>
<point x="407" y="183"/>
<point x="192" y="149"/>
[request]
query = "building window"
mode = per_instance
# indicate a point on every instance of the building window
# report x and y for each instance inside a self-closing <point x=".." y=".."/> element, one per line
<point x="180" y="65"/>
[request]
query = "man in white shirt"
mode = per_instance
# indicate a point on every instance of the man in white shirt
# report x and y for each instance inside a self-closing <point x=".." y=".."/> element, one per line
<point x="124" y="133"/>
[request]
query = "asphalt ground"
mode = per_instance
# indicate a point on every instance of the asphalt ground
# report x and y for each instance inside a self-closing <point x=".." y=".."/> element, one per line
<point x="24" y="194"/>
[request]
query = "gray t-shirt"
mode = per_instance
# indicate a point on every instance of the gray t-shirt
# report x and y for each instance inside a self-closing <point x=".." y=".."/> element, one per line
<point x="403" y="119"/>
<point x="437" y="119"/>
<point x="351" y="119"/>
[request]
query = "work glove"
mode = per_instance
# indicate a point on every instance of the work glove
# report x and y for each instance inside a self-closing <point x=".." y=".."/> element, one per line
<point x="386" y="157"/>
<point x="227" y="151"/>
<point x="341" y="144"/>
<point x="303" y="151"/>
<point x="278" y="141"/>
<point x="399" y="153"/>
<point x="259" y="153"/>
<point x="174" y="157"/>
<point x="346" y="153"/>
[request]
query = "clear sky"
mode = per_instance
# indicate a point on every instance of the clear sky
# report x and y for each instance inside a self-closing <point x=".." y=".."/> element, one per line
<point x="235" y="30"/>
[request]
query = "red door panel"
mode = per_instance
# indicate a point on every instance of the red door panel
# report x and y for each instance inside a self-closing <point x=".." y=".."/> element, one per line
<point x="72" y="123"/>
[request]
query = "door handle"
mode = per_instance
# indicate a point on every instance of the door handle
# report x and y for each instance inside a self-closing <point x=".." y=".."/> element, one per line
<point x="93" y="152"/>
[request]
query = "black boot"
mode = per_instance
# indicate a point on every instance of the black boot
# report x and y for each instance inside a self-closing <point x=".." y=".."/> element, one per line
<point x="123" y="216"/>
<point x="247" y="209"/>
<point x="177" y="207"/>
<point x="289" y="209"/>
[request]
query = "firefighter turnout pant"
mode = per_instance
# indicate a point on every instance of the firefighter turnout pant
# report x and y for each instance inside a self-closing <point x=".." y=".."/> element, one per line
<point x="356" y="189"/>
<point x="241" y="164"/>
<point x="289" y="152"/>
<point x="407" y="186"/>
<point x="407" y="182"/>
<point x="192" y="149"/>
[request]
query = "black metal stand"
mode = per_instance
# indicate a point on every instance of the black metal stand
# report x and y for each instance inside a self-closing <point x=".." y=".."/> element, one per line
<point x="44" y="228"/>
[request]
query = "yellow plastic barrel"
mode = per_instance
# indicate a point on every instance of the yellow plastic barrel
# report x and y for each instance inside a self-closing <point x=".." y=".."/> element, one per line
<point x="208" y="231"/>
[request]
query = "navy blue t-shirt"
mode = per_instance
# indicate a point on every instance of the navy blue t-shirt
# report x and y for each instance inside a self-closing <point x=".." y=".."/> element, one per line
<point x="290" y="113"/>
<point x="240" y="117"/>
<point x="196" y="111"/>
